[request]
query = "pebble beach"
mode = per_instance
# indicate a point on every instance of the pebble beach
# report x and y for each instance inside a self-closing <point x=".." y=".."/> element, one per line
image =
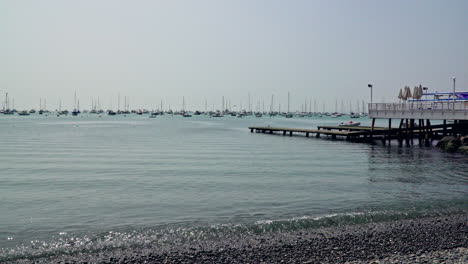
<point x="441" y="239"/>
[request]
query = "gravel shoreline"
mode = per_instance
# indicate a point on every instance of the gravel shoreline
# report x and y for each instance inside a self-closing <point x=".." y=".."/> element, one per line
<point x="441" y="239"/>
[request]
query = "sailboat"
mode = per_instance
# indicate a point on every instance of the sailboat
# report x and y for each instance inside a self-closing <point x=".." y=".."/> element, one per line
<point x="184" y="113"/>
<point x="7" y="110"/>
<point x="272" y="113"/>
<point x="288" y="115"/>
<point x="75" y="111"/>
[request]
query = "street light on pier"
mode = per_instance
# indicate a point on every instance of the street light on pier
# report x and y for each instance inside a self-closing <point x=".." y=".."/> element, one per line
<point x="370" y="86"/>
<point x="454" y="79"/>
<point x="425" y="91"/>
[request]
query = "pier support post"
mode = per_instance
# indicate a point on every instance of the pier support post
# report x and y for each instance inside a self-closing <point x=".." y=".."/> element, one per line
<point x="307" y="134"/>
<point x="429" y="132"/>
<point x="421" y="131"/>
<point x="389" y="130"/>
<point x="407" y="133"/>
<point x="251" y="130"/>
<point x="284" y="133"/>
<point x="412" y="131"/>
<point x="445" y="128"/>
<point x="400" y="139"/>
<point x="290" y="133"/>
<point x="426" y="132"/>
<point x="372" y="129"/>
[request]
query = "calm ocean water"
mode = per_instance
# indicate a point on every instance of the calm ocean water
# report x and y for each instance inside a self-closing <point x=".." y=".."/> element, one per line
<point x="88" y="183"/>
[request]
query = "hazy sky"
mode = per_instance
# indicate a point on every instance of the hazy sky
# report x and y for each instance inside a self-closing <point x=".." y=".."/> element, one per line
<point x="153" y="50"/>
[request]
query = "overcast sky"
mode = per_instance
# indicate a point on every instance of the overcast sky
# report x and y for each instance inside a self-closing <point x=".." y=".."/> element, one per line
<point x="153" y="50"/>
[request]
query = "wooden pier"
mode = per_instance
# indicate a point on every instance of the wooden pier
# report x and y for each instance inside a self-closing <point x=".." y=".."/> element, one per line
<point x="424" y="132"/>
<point x="307" y="132"/>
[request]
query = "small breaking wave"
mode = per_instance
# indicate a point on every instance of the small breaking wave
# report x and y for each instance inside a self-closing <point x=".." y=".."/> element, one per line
<point x="178" y="236"/>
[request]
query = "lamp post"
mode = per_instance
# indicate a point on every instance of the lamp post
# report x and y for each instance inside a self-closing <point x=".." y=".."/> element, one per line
<point x="370" y="86"/>
<point x="425" y="89"/>
<point x="454" y="79"/>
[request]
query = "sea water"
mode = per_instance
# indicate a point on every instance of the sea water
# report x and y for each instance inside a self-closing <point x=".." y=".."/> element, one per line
<point x="89" y="183"/>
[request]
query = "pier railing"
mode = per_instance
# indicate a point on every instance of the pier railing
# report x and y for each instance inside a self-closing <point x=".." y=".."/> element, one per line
<point x="420" y="110"/>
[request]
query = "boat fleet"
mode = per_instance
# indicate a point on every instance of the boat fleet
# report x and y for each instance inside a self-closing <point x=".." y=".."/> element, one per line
<point x="186" y="113"/>
<point x="306" y="112"/>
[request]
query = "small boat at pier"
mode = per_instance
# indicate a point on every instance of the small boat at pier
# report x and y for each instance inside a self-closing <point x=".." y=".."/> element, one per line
<point x="350" y="123"/>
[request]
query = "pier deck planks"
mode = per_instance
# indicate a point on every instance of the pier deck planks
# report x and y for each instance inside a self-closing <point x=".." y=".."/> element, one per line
<point x="306" y="131"/>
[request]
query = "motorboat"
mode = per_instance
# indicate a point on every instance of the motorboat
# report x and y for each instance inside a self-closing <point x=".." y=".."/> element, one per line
<point x="350" y="123"/>
<point x="217" y="114"/>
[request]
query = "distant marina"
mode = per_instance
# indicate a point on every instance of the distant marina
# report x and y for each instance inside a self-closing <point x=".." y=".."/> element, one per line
<point x="227" y="109"/>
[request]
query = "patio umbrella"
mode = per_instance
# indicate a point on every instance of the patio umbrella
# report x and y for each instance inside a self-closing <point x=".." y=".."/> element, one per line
<point x="415" y="92"/>
<point x="403" y="95"/>
<point x="400" y="94"/>
<point x="407" y="93"/>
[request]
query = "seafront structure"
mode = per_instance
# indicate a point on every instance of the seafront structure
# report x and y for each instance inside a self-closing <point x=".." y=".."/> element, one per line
<point x="442" y="107"/>
<point x="424" y="119"/>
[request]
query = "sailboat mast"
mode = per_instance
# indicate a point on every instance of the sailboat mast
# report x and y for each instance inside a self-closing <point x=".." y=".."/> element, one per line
<point x="305" y="104"/>
<point x="271" y="104"/>
<point x="288" y="102"/>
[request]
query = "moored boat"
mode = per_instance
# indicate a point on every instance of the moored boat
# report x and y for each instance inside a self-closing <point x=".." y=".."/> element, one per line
<point x="350" y="123"/>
